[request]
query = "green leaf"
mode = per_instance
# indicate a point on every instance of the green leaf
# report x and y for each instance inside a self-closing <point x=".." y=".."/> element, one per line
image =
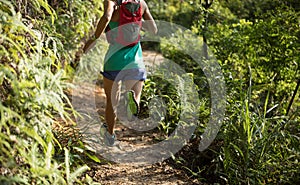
<point x="238" y="150"/>
<point x="49" y="9"/>
<point x="93" y="157"/>
<point x="33" y="134"/>
<point x="78" y="172"/>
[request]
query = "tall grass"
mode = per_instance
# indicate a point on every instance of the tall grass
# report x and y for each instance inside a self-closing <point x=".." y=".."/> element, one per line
<point x="32" y="92"/>
<point x="258" y="149"/>
<point x="257" y="143"/>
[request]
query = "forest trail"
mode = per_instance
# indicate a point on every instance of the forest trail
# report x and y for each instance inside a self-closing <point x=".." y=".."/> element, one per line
<point x="89" y="100"/>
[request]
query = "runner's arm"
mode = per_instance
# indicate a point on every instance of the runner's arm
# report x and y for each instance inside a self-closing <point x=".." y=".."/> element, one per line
<point x="105" y="19"/>
<point x="149" y="23"/>
<point x="103" y="22"/>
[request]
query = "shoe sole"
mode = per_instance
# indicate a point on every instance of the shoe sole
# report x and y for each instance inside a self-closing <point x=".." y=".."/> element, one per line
<point x="103" y="136"/>
<point x="102" y="133"/>
<point x="132" y="106"/>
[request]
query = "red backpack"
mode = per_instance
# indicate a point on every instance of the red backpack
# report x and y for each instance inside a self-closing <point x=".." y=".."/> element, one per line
<point x="130" y="23"/>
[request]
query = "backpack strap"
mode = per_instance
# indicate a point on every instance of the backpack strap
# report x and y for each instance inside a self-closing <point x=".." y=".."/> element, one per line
<point x="119" y="2"/>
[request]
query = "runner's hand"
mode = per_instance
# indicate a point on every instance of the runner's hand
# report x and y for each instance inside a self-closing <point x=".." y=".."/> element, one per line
<point x="89" y="44"/>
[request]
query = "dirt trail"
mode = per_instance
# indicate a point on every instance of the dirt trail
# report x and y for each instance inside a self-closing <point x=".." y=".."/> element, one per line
<point x="89" y="100"/>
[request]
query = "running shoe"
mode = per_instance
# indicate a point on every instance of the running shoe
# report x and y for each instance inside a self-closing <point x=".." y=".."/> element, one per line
<point x="106" y="137"/>
<point x="132" y="107"/>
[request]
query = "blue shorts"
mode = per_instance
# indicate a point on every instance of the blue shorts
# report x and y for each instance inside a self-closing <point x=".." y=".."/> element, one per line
<point x="127" y="74"/>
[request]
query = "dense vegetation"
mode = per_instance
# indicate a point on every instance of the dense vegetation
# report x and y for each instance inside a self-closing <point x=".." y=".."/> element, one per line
<point x="256" y="44"/>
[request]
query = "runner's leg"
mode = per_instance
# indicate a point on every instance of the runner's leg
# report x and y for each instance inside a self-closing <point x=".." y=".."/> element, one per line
<point x="136" y="86"/>
<point x="112" y="92"/>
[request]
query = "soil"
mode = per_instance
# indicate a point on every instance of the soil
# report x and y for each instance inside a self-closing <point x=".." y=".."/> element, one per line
<point x="89" y="100"/>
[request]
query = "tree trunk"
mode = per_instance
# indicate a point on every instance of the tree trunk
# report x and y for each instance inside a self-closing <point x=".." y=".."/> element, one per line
<point x="207" y="4"/>
<point x="293" y="97"/>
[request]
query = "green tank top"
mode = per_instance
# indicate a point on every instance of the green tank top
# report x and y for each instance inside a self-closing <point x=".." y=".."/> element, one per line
<point x="119" y="57"/>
